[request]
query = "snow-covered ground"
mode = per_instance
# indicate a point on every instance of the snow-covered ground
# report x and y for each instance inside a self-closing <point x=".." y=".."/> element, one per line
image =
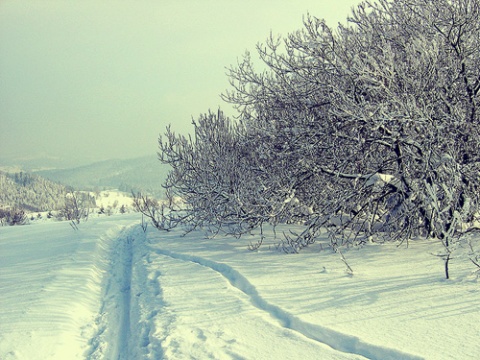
<point x="113" y="199"/>
<point x="110" y="291"/>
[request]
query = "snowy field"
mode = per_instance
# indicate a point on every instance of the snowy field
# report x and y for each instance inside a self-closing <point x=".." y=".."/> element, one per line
<point x="110" y="291"/>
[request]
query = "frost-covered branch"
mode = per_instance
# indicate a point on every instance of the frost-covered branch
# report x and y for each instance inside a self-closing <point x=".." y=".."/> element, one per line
<point x="369" y="130"/>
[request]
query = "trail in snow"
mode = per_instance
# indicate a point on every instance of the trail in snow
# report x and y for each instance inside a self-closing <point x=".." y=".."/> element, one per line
<point x="203" y="317"/>
<point x="130" y="303"/>
<point x="148" y="329"/>
<point x="336" y="340"/>
<point x="126" y="321"/>
<point x="135" y="322"/>
<point x="52" y="281"/>
<point x="112" y="338"/>
<point x="125" y="300"/>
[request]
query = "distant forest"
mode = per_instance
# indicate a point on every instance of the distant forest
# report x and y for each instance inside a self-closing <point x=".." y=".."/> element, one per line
<point x="30" y="192"/>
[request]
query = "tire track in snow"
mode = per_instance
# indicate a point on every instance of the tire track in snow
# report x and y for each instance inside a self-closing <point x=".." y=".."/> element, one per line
<point x="336" y="340"/>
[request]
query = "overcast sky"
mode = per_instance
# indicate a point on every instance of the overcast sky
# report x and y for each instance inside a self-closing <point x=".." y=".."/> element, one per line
<point x="101" y="79"/>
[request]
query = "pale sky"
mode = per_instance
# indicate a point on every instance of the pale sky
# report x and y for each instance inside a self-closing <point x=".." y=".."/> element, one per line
<point x="102" y="79"/>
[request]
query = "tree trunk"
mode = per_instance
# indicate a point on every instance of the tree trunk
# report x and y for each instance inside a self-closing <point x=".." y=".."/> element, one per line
<point x="447" y="260"/>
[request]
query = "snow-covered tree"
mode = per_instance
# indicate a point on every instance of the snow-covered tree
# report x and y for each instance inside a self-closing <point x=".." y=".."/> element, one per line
<point x="77" y="206"/>
<point x="383" y="111"/>
<point x="206" y="171"/>
<point x="368" y="129"/>
<point x="30" y="192"/>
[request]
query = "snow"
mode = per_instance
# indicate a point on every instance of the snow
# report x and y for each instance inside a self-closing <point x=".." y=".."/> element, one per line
<point x="113" y="198"/>
<point x="380" y="179"/>
<point x="110" y="291"/>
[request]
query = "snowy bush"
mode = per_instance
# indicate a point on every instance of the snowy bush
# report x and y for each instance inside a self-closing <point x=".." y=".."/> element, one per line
<point x="369" y="130"/>
<point x="154" y="211"/>
<point x="77" y="206"/>
<point x="13" y="217"/>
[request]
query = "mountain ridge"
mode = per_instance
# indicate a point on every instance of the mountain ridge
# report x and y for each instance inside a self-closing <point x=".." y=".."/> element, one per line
<point x="144" y="174"/>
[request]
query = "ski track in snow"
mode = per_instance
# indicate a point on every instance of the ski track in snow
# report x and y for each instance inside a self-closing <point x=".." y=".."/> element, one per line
<point x="113" y="320"/>
<point x="125" y="301"/>
<point x="334" y="339"/>
<point x="146" y="304"/>
<point x="126" y="326"/>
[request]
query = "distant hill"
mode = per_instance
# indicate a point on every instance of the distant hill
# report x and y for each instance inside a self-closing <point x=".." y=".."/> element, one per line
<point x="39" y="162"/>
<point x="30" y="192"/>
<point x="139" y="174"/>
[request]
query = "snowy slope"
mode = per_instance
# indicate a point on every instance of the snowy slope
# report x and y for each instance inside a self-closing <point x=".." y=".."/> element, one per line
<point x="51" y="281"/>
<point x="111" y="291"/>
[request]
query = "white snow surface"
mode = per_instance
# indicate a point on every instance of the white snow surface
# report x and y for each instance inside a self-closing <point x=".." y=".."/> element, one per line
<point x="110" y="291"/>
<point x="113" y="198"/>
